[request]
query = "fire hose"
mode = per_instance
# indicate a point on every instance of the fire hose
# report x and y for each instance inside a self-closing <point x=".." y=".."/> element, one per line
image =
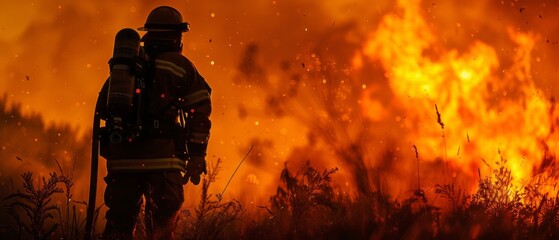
<point x="93" y="177"/>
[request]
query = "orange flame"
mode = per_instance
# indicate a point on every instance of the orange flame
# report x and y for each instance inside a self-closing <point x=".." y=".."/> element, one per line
<point x="487" y="115"/>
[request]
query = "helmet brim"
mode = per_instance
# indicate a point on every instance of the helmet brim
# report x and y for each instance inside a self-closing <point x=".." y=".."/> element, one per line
<point x="183" y="27"/>
<point x="151" y="36"/>
<point x="144" y="29"/>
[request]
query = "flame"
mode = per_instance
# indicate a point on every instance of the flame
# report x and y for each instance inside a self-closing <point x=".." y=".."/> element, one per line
<point x="485" y="115"/>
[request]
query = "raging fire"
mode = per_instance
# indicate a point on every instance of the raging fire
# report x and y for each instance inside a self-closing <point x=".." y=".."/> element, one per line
<point x="337" y="83"/>
<point x="489" y="111"/>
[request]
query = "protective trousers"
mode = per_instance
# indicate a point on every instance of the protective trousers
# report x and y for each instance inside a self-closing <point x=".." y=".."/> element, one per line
<point x="123" y="196"/>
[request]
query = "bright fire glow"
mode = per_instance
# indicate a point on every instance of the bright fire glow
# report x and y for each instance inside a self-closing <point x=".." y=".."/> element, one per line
<point x="486" y="114"/>
<point x="391" y="64"/>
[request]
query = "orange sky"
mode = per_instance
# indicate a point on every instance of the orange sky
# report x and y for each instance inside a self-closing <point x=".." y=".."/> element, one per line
<point x="54" y="61"/>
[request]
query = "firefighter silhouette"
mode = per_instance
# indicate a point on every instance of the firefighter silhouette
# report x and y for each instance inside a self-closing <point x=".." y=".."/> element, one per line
<point x="157" y="142"/>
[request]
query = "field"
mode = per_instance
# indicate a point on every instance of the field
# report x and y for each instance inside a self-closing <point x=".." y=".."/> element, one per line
<point x="306" y="206"/>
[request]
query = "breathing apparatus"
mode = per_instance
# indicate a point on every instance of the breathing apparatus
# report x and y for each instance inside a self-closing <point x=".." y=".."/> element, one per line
<point x="126" y="86"/>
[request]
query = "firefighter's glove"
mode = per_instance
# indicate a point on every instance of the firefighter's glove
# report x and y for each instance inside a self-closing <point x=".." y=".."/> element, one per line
<point x="195" y="166"/>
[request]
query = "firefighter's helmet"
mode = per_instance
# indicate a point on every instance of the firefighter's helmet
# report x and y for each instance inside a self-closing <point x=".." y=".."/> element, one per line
<point x="165" y="19"/>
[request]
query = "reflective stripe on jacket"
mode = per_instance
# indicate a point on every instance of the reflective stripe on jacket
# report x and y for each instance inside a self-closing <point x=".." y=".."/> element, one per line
<point x="120" y="165"/>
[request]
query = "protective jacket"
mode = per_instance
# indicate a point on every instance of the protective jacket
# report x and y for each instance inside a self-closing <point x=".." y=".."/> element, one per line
<point x="175" y="120"/>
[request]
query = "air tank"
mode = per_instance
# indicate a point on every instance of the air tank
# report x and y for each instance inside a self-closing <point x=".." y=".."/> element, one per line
<point x="122" y="81"/>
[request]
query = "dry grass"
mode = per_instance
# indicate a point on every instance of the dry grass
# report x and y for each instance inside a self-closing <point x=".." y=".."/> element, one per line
<point x="306" y="206"/>
<point x="43" y="209"/>
<point x="499" y="209"/>
<point x="213" y="217"/>
<point x="33" y="208"/>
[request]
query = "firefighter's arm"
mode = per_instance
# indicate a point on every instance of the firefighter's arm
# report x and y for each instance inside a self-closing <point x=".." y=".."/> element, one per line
<point x="102" y="113"/>
<point x="198" y="107"/>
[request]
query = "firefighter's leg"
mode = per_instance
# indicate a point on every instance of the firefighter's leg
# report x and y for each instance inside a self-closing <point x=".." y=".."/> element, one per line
<point x="123" y="197"/>
<point x="164" y="199"/>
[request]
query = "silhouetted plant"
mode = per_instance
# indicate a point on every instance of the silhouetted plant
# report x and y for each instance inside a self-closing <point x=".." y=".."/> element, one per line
<point x="500" y="209"/>
<point x="299" y="193"/>
<point x="36" y="205"/>
<point x="212" y="216"/>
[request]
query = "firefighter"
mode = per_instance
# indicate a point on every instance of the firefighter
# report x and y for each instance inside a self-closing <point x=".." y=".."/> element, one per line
<point x="171" y="147"/>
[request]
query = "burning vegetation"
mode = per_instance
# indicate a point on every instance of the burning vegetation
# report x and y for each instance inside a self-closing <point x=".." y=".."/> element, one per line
<point x="408" y="120"/>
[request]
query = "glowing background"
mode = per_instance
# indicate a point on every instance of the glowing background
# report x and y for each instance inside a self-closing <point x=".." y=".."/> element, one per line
<point x="490" y="66"/>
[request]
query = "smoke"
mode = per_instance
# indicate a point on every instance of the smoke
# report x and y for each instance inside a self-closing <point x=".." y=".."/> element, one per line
<point x="54" y="64"/>
<point x="55" y="61"/>
<point x="28" y="144"/>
